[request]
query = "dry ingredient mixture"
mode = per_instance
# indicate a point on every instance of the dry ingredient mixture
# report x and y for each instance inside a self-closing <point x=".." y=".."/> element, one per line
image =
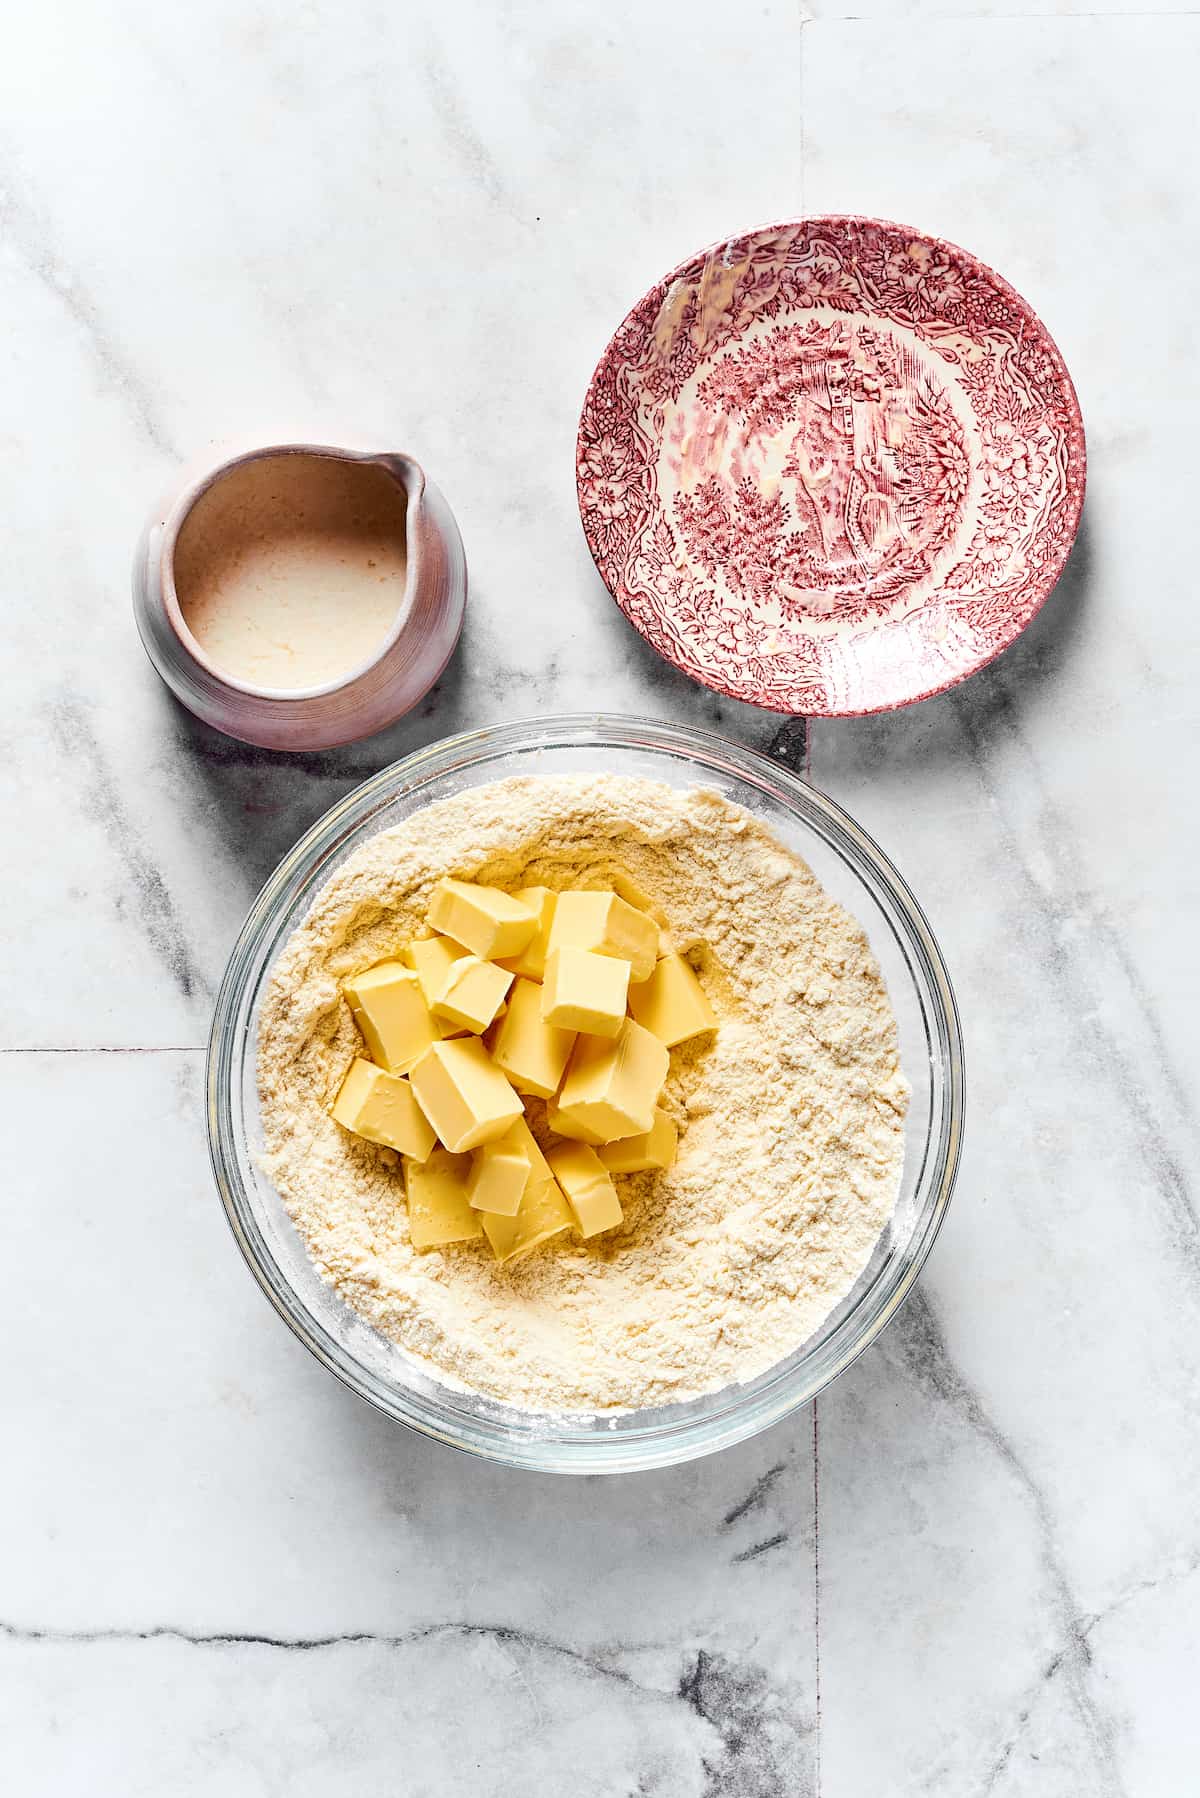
<point x="791" y="1117"/>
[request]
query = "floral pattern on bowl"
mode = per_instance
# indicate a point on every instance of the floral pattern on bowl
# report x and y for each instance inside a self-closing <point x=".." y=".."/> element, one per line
<point x="831" y="467"/>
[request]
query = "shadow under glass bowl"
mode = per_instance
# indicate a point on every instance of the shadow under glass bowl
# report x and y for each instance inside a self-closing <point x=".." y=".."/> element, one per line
<point x="852" y="870"/>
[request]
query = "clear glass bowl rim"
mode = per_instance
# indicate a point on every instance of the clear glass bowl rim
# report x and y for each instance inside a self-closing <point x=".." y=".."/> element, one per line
<point x="747" y="1409"/>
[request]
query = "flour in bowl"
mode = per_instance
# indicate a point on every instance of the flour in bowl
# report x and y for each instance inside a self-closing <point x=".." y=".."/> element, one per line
<point x="791" y="1117"/>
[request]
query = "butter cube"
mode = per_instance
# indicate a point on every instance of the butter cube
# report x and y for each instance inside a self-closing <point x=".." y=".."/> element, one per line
<point x="562" y="1125"/>
<point x="655" y="1147"/>
<point x="611" y="1088"/>
<point x="606" y="925"/>
<point x="472" y="993"/>
<point x="588" y="1186"/>
<point x="583" y="991"/>
<point x="499" y="1175"/>
<point x="523" y="1136"/>
<point x="640" y="900"/>
<point x="465" y="1097"/>
<point x="431" y="960"/>
<point x="532" y="1053"/>
<point x="543" y="1213"/>
<point x="531" y="962"/>
<point x="672" y="1003"/>
<point x="486" y="921"/>
<point x="394" y="1019"/>
<point x="438" y="1211"/>
<point x="382" y="1108"/>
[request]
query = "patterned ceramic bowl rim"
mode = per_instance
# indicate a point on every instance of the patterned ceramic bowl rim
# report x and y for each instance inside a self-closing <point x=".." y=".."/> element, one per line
<point x="612" y="572"/>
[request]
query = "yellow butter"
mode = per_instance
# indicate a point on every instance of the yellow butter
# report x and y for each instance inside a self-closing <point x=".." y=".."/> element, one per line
<point x="531" y="962"/>
<point x="672" y="1003"/>
<point x="523" y="1136"/>
<point x="605" y="924"/>
<point x="584" y="991"/>
<point x="499" y="1175"/>
<point x="531" y="1052"/>
<point x="431" y="959"/>
<point x="636" y="896"/>
<point x="463" y="1094"/>
<point x="392" y="1015"/>
<point x="611" y="1088"/>
<point x="543" y="1213"/>
<point x="438" y="1211"/>
<point x="564" y="1125"/>
<point x="472" y="993"/>
<point x="383" y="1109"/>
<point x="588" y="1186"/>
<point x="655" y="1147"/>
<point x="488" y="922"/>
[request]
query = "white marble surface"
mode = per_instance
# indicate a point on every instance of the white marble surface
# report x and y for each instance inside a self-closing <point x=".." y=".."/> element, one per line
<point x="974" y="1566"/>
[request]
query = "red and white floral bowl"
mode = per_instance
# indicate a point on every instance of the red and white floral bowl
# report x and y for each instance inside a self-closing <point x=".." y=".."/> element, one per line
<point x="831" y="467"/>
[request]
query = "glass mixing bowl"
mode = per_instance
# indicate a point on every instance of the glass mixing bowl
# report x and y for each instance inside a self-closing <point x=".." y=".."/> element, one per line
<point x="851" y="869"/>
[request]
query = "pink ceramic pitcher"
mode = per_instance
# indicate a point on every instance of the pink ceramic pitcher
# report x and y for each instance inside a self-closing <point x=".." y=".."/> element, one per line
<point x="369" y="697"/>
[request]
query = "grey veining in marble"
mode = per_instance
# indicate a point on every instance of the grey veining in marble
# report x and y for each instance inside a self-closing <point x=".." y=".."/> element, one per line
<point x="973" y="1569"/>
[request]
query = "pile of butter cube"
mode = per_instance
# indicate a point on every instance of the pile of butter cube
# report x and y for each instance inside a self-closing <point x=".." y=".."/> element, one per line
<point x="572" y="998"/>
